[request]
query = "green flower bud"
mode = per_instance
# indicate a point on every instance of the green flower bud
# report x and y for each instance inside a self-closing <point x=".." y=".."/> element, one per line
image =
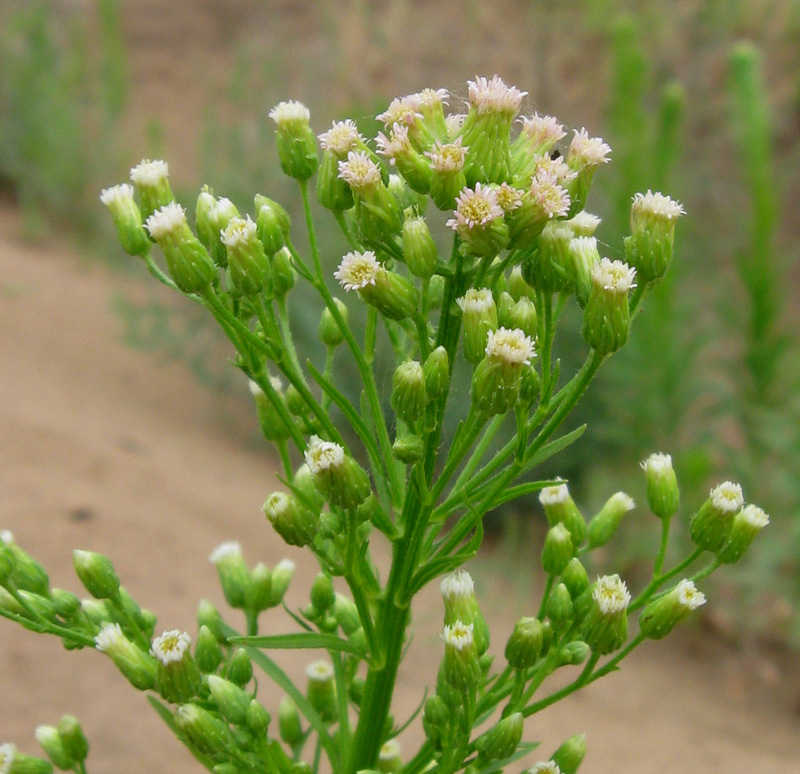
<point x="502" y="741"/>
<point x="409" y="448"/>
<point x="50" y="741"/>
<point x="96" y="573"/>
<point x="297" y="146"/>
<point x="497" y="379"/>
<point x="7" y="559"/>
<point x="408" y="397"/>
<point x="212" y="216"/>
<point x="234" y="576"/>
<point x="178" y="678"/>
<point x="207" y="652"/>
<point x="560" y="507"/>
<point x="605" y="524"/>
<point x="662" y="614"/>
<point x="257" y="718"/>
<point x="663" y="496"/>
<point x="518" y="287"/>
<point x="747" y="523"/>
<point x="272" y="224"/>
<point x="259" y="591"/>
<point x="480" y="221"/>
<point x="333" y="192"/>
<point x="505" y="303"/>
<point x="282" y="574"/>
<point x="203" y="730"/>
<point x="14" y="762"/>
<point x="574" y="653"/>
<point x="461" y="606"/>
<point x="232" y="702"/>
<point x="73" y="739"/>
<point x="283" y="273"/>
<point x="294" y="523"/>
<point x="389" y="759"/>
<point x="436" y="292"/>
<point x="461" y="668"/>
<point x="42" y="606"/>
<point x="151" y="179"/>
<point x="435" y="719"/>
<point x="605" y="627"/>
<point x="321" y="692"/>
<point x="570" y="755"/>
<point x="419" y="249"/>
<point x="27" y="573"/>
<point x="270" y="420"/>
<point x="240" y="668"/>
<point x="329" y="331"/>
<point x="322" y="593"/>
<point x="558" y="550"/>
<point x="66" y="604"/>
<point x="711" y="525"/>
<point x="410" y="163"/>
<point x="188" y="261"/>
<point x="289" y="725"/>
<point x="547" y="267"/>
<point x="649" y="248"/>
<point x="405" y="196"/>
<point x="574" y="577"/>
<point x="585" y="154"/>
<point x="447" y="172"/>
<point x="391" y="294"/>
<point x="583" y="255"/>
<point x="208" y="616"/>
<point x="584" y="224"/>
<point x="530" y="385"/>
<point x="248" y="266"/>
<point x="523" y="316"/>
<point x="559" y="607"/>
<point x="606" y="319"/>
<point x="295" y="402"/>
<point x="137" y="666"/>
<point x="346" y="614"/>
<point x="127" y="219"/>
<point x="524" y="646"/>
<point x="437" y="373"/>
<point x="338" y="477"/>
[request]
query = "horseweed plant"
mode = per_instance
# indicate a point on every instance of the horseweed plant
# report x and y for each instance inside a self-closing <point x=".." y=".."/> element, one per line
<point x="522" y="248"/>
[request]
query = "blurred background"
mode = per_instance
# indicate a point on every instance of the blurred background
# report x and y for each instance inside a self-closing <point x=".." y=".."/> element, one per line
<point x="700" y="100"/>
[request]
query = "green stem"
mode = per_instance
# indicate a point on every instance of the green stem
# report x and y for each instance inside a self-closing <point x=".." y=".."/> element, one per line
<point x="659" y="580"/>
<point x="662" y="549"/>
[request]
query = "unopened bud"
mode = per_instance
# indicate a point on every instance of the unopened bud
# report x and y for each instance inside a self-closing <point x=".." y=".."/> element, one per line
<point x="259" y="591"/>
<point x="257" y="718"/>
<point x="127" y="219"/>
<point x="662" y="614"/>
<point x="296" y="524"/>
<point x="605" y="524"/>
<point x="248" y="266"/>
<point x="234" y="576"/>
<point x="663" y="496"/>
<point x="322" y="594"/>
<point x="570" y="755"/>
<point x="50" y="741"/>
<point x="502" y="741"/>
<point x="204" y="731"/>
<point x="559" y="607"/>
<point x="574" y="653"/>
<point x="408" y="397"/>
<point x="72" y="737"/>
<point x="558" y="550"/>
<point x="437" y="373"/>
<point x="525" y="644"/>
<point x="389" y="759"/>
<point x="575" y="578"/>
<point x="272" y="224"/>
<point x="409" y="448"/>
<point x="289" y="725"/>
<point x="419" y="249"/>
<point x="747" y="523"/>
<point x="96" y="573"/>
<point x="282" y="574"/>
<point x="240" y="668"/>
<point x="207" y="652"/>
<point x="560" y="507"/>
<point x="212" y="216"/>
<point x="232" y="702"/>
<point x="329" y="331"/>
<point x="297" y="146"/>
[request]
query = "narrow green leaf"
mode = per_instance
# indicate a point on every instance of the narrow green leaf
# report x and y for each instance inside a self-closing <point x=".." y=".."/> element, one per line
<point x="299" y="641"/>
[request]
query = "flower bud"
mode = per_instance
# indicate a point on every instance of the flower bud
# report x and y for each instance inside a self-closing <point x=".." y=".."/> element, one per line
<point x="502" y="741"/>
<point x="405" y="196"/>
<point x="409" y="448"/>
<point x="437" y="373"/>
<point x="410" y="163"/>
<point x="447" y="172"/>
<point x="234" y="577"/>
<point x="662" y="614"/>
<point x="389" y="759"/>
<point x="284" y="276"/>
<point x="605" y="524"/>
<point x="329" y="331"/>
<point x="461" y="668"/>
<point x="584" y="224"/>
<point x="257" y="718"/>
<point x="66" y="604"/>
<point x="127" y="219"/>
<point x="272" y="224"/>
<point x="419" y="249"/>
<point x="240" y="668"/>
<point x="332" y="191"/>
<point x="505" y="303"/>
<point x="559" y="607"/>
<point x="649" y="248"/>
<point x="662" y="485"/>
<point x="321" y="692"/>
<point x="606" y="319"/>
<point x="297" y="146"/>
<point x="570" y="755"/>
<point x="479" y="221"/>
<point x="547" y="269"/>
<point x="208" y="616"/>
<point x="188" y="261"/>
<point x="289" y="725"/>
<point x="212" y="216"/>
<point x="207" y="652"/>
<point x="282" y="574"/>
<point x="96" y="573"/>
<point x="296" y="524"/>
<point x="497" y="379"/>
<point x="461" y="606"/>
<point x="583" y="255"/>
<point x="178" y="678"/>
<point x="408" y="397"/>
<point x="711" y="525"/>
<point x="338" y="477"/>
<point x="574" y="653"/>
<point x="27" y="574"/>
<point x="560" y="507"/>
<point x="232" y="702"/>
<point x="322" y="594"/>
<point x="273" y="426"/>
<point x="72" y="737"/>
<point x="391" y="294"/>
<point x="605" y="627"/>
<point x="585" y="154"/>
<point x="558" y="550"/>
<point x="523" y="316"/>
<point x="524" y="646"/>
<point x="204" y="731"/>
<point x="137" y="666"/>
<point x="574" y="577"/>
<point x="518" y="287"/>
<point x="479" y="317"/>
<point x="747" y="523"/>
<point x="151" y="179"/>
<point x="50" y="741"/>
<point x="530" y="385"/>
<point x="346" y="614"/>
<point x="435" y="720"/>
<point x="259" y="590"/>
<point x="248" y="266"/>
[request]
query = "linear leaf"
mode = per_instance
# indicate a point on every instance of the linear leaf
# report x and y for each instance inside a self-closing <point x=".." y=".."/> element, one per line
<point x="299" y="641"/>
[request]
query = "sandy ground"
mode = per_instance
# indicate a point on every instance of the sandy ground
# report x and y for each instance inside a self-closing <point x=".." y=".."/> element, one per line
<point x="110" y="449"/>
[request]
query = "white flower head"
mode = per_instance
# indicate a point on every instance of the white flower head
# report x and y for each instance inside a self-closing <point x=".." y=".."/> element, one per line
<point x="544" y="767"/>
<point x="508" y="197"/>
<point x="447" y="157"/>
<point x="688" y="596"/>
<point x="239" y="232"/>
<point x="510" y="345"/>
<point x="320" y="671"/>
<point x="389" y="751"/>
<point x="396" y="144"/>
<point x="150" y="173"/>
<point x="556" y="167"/>
<point x="6" y="537"/>
<point x="277" y="505"/>
<point x="357" y="270"/>
<point x="117" y="194"/>
<point x="588" y="151"/>
<point x="614" y="276"/>
<point x="223" y="209"/>
<point x="170" y="646"/>
<point x="7" y="753"/>
<point x="754" y="516"/>
<point x="554" y="495"/>
<point x="548" y="195"/>
<point x="360" y="171"/>
<point x="611" y="594"/>
<point x="457" y="585"/>
<point x="459" y="635"/>
<point x="287" y="113"/>
<point x="542" y="130"/>
<point x="108" y="637"/>
<point x="166" y="220"/>
<point x="622" y="501"/>
<point x="323" y="455"/>
<point x="727" y="497"/>
<point x="228" y="548"/>
<point x="476" y="301"/>
<point x="657" y="206"/>
<point x="584" y="223"/>
<point x="453" y="123"/>
<point x="657" y="463"/>
<point x="341" y="138"/>
<point x="493" y="96"/>
<point x="284" y="567"/>
<point x="431" y="97"/>
<point x="402" y="110"/>
<point x="475" y="208"/>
